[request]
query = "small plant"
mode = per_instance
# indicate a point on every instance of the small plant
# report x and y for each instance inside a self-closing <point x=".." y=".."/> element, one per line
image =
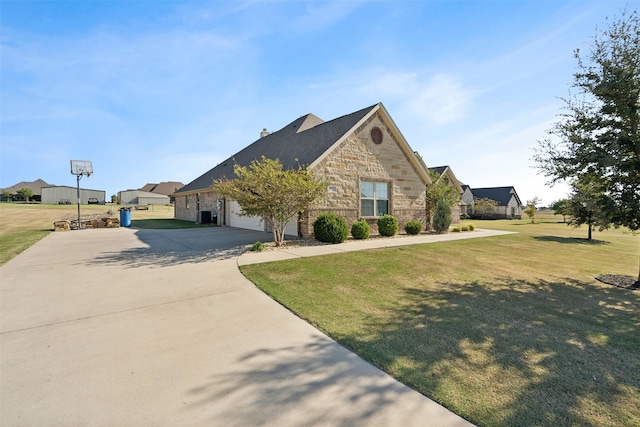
<point x="330" y="228"/>
<point x="387" y="225"/>
<point x="464" y="228"/>
<point x="413" y="227"/>
<point x="456" y="229"/>
<point x="257" y="247"/>
<point x="471" y="227"/>
<point x="360" y="229"/>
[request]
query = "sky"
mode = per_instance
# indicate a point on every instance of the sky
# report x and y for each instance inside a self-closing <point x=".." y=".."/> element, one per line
<point x="153" y="91"/>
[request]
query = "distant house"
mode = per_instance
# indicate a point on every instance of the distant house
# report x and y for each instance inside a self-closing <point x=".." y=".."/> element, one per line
<point x="508" y="205"/>
<point x="139" y="197"/>
<point x="369" y="165"/>
<point x="34" y="186"/>
<point x="166" y="188"/>
<point x="466" y="201"/>
<point x="446" y="174"/>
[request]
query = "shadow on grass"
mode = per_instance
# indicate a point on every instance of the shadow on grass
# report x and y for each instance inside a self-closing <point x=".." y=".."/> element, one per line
<point x="514" y="352"/>
<point x="570" y="240"/>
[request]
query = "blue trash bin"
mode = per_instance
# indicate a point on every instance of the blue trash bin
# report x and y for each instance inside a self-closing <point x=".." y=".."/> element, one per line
<point x="125" y="217"/>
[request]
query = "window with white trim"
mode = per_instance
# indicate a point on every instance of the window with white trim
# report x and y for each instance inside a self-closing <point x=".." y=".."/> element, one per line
<point x="374" y="198"/>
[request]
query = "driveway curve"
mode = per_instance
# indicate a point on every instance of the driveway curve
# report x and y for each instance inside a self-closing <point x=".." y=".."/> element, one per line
<point x="133" y="327"/>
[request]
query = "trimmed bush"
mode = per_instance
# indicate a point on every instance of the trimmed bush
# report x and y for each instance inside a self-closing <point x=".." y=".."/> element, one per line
<point x="360" y="229"/>
<point x="471" y="227"/>
<point x="456" y="229"/>
<point x="442" y="216"/>
<point x="413" y="227"/>
<point x="257" y="247"/>
<point x="464" y="228"/>
<point x="387" y="225"/>
<point x="330" y="228"/>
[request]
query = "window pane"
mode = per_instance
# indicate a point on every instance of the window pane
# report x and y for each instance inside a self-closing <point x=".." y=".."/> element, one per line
<point x="366" y="190"/>
<point x="381" y="190"/>
<point x="383" y="207"/>
<point x="366" y="208"/>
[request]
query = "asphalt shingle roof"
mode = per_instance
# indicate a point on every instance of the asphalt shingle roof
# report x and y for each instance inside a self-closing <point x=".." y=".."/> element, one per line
<point x="300" y="142"/>
<point x="502" y="195"/>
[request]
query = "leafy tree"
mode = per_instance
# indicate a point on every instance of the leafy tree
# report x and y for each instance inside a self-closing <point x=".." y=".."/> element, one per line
<point x="596" y="139"/>
<point x="440" y="188"/>
<point x="442" y="216"/>
<point x="484" y="207"/>
<point x="584" y="206"/>
<point x="278" y="196"/>
<point x="561" y="207"/>
<point x="24" y="193"/>
<point x="6" y="194"/>
<point x="532" y="208"/>
<point x="114" y="198"/>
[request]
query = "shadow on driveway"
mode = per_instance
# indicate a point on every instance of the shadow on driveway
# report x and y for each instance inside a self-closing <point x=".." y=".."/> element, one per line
<point x="163" y="248"/>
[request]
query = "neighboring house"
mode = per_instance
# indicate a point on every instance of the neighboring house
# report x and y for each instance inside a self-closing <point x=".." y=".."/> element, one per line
<point x="466" y="201"/>
<point x="370" y="168"/>
<point x="139" y="197"/>
<point x="64" y="195"/>
<point x="509" y="205"/>
<point x="166" y="188"/>
<point x="34" y="186"/>
<point x="445" y="173"/>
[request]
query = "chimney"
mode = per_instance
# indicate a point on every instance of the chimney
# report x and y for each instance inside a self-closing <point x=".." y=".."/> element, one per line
<point x="264" y="133"/>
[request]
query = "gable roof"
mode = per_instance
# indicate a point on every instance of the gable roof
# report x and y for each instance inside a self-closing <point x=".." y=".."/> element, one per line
<point x="303" y="142"/>
<point x="502" y="195"/>
<point x="446" y="170"/>
<point x="166" y="188"/>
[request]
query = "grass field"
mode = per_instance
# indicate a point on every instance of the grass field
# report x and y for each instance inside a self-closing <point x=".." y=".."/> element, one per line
<point x="25" y="224"/>
<point x="505" y="331"/>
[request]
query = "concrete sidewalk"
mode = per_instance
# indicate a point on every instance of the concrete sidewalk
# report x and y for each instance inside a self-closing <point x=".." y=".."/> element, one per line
<point x="134" y="327"/>
<point x="285" y="252"/>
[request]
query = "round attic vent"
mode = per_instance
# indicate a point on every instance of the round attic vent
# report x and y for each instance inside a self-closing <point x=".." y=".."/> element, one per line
<point x="376" y="135"/>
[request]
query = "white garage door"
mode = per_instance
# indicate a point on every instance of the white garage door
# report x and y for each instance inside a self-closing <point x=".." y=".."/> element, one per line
<point x="292" y="228"/>
<point x="248" y="222"/>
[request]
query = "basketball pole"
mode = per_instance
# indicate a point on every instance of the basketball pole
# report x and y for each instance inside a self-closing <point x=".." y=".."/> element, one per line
<point x="78" y="194"/>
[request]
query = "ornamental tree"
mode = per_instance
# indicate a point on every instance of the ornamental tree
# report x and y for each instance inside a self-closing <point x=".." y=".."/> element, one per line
<point x="276" y="195"/>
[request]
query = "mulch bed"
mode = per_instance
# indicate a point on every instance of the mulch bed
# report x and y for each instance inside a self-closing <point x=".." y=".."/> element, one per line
<point x="625" y="282"/>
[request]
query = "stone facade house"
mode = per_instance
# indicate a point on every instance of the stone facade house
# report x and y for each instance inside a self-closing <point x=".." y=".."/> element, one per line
<point x="370" y="168"/>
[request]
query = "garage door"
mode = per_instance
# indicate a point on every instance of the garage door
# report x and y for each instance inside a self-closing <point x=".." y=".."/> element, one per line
<point x="248" y="222"/>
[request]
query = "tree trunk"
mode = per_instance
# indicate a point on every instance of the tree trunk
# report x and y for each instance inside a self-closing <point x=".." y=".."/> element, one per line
<point x="589" y="235"/>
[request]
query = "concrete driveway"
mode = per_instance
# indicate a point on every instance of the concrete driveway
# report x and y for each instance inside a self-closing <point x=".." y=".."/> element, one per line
<point x="126" y="327"/>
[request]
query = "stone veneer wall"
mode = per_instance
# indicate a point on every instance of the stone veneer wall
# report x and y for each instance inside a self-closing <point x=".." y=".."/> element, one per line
<point x="186" y="206"/>
<point x="358" y="159"/>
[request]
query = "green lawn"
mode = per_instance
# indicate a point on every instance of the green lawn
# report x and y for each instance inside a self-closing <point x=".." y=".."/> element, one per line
<point x="506" y="331"/>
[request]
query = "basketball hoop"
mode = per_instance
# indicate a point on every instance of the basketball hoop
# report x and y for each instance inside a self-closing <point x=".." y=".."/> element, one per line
<point x="80" y="168"/>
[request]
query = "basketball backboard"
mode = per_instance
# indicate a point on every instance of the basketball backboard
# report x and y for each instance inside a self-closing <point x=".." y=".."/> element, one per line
<point x="81" y="167"/>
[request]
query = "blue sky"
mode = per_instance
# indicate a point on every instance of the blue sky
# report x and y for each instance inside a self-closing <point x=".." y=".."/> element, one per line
<point x="153" y="91"/>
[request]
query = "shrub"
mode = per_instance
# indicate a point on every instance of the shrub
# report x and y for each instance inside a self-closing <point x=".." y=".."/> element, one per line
<point x="257" y="247"/>
<point x="360" y="229"/>
<point x="413" y="227"/>
<point x="330" y="228"/>
<point x="387" y="225"/>
<point x="442" y="216"/>
<point x="464" y="228"/>
<point x="471" y="227"/>
<point x="456" y="229"/>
